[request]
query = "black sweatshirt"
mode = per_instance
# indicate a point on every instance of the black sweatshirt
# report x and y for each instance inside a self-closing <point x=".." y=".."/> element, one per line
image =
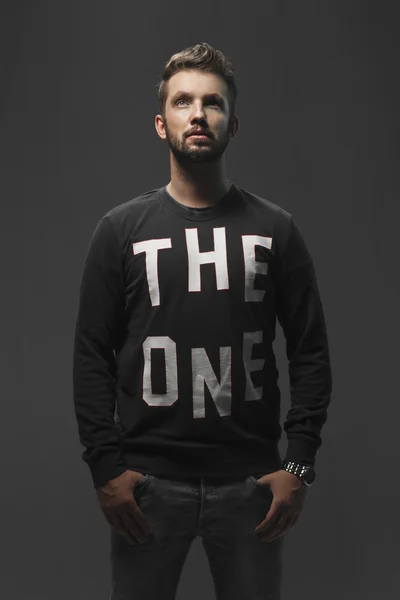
<point x="174" y="372"/>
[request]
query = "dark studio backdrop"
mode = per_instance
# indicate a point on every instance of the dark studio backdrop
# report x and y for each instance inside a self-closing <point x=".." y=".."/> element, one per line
<point x="319" y="136"/>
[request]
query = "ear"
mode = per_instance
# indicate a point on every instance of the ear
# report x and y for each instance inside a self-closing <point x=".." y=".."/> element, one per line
<point x="234" y="125"/>
<point x="159" y="125"/>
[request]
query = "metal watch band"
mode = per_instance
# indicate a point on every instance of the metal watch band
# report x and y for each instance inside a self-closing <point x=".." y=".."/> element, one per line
<point x="296" y="469"/>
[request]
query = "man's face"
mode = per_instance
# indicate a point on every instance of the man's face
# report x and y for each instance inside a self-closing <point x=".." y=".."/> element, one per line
<point x="197" y="100"/>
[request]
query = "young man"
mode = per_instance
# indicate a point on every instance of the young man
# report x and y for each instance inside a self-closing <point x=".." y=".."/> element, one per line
<point x="179" y="298"/>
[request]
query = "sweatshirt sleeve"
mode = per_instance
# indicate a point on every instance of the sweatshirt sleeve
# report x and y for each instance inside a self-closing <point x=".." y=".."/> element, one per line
<point x="300" y="313"/>
<point x="100" y="315"/>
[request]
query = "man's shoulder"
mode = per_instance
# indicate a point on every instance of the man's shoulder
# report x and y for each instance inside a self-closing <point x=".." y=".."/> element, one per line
<point x="264" y="205"/>
<point x="142" y="201"/>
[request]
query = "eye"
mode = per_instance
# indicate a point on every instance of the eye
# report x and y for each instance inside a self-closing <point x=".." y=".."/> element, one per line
<point x="215" y="103"/>
<point x="212" y="103"/>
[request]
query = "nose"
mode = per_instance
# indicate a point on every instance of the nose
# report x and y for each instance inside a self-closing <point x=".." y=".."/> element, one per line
<point x="198" y="111"/>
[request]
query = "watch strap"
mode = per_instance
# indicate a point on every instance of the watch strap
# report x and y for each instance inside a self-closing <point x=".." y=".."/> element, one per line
<point x="297" y="469"/>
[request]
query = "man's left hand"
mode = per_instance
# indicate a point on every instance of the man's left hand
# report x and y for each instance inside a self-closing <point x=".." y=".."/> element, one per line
<point x="288" y="499"/>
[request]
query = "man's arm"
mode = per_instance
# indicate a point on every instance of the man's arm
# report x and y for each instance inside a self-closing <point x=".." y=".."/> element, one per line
<point x="300" y="313"/>
<point x="100" y="315"/>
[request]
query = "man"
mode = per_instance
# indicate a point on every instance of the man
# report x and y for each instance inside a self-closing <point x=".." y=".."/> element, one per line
<point x="178" y="305"/>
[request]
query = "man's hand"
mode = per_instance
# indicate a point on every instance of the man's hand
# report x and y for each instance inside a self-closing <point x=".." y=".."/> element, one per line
<point x="288" y="499"/>
<point x="119" y="506"/>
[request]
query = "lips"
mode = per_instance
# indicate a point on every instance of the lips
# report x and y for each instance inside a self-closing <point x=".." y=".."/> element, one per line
<point x="198" y="133"/>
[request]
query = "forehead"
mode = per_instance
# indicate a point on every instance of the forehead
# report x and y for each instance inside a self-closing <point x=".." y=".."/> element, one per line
<point x="197" y="82"/>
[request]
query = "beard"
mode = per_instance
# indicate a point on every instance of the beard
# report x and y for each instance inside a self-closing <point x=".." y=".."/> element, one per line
<point x="188" y="152"/>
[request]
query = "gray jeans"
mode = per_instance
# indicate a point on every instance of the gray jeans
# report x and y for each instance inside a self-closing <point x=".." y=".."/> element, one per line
<point x="223" y="513"/>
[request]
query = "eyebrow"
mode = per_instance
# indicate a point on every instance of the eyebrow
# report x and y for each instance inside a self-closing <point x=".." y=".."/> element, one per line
<point x="183" y="94"/>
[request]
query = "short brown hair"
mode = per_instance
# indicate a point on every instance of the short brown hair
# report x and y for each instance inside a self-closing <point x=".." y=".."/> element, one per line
<point x="201" y="56"/>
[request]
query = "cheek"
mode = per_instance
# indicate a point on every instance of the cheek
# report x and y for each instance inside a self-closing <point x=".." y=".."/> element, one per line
<point x="222" y="127"/>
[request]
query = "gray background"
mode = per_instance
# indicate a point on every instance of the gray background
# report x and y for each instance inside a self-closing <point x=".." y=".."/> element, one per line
<point x="319" y="136"/>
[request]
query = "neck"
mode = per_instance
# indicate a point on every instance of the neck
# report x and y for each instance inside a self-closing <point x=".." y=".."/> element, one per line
<point x="200" y="186"/>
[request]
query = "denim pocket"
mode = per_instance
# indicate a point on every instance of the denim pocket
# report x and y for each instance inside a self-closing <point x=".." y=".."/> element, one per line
<point x="253" y="479"/>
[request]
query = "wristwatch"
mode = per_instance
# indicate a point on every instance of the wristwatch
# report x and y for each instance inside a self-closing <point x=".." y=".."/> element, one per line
<point x="305" y="473"/>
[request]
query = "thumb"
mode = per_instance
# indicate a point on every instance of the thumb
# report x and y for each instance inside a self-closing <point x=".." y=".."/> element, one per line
<point x="266" y="478"/>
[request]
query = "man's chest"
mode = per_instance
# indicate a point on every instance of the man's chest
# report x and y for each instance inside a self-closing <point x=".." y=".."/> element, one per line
<point x="201" y="260"/>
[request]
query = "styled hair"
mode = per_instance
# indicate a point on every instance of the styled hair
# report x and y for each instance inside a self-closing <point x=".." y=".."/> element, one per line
<point x="206" y="58"/>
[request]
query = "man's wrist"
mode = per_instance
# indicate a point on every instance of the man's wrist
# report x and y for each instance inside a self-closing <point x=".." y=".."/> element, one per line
<point x="305" y="473"/>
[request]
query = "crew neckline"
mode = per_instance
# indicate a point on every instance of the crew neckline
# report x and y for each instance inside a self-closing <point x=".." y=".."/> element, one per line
<point x="200" y="214"/>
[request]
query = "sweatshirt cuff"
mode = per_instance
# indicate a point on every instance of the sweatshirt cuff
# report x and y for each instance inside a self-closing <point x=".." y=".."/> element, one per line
<point x="106" y="468"/>
<point x="301" y="451"/>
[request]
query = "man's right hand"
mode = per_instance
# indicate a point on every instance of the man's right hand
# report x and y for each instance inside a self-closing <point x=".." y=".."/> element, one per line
<point x="119" y="506"/>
